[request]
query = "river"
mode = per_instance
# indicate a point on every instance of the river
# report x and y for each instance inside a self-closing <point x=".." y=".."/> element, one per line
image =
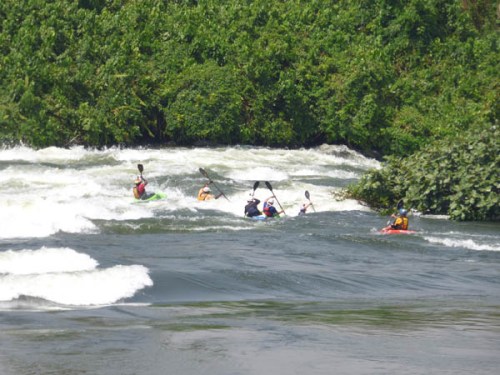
<point x="92" y="282"/>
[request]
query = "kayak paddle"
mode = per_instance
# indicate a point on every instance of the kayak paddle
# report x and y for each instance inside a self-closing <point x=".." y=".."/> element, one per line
<point x="309" y="199"/>
<point x="140" y="167"/>
<point x="271" y="188"/>
<point x="204" y="173"/>
<point x="255" y="186"/>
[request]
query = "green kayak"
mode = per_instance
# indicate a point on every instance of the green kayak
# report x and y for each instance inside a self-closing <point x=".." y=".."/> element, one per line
<point x="152" y="197"/>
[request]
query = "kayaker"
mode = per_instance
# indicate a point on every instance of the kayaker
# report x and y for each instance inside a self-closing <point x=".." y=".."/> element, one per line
<point x="401" y="221"/>
<point x="251" y="209"/>
<point x="205" y="194"/>
<point x="269" y="209"/>
<point x="140" y="188"/>
<point x="304" y="208"/>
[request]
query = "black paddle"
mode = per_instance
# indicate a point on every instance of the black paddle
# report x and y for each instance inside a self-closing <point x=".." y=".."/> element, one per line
<point x="309" y="199"/>
<point x="255" y="186"/>
<point x="271" y="188"/>
<point x="204" y="173"/>
<point x="140" y="167"/>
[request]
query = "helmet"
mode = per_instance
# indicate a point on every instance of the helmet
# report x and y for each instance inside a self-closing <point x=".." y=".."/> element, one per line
<point x="138" y="180"/>
<point x="403" y="212"/>
<point x="206" y="189"/>
<point x="271" y="202"/>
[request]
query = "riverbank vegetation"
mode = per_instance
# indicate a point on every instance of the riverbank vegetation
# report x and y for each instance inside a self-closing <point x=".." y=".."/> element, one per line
<point x="458" y="176"/>
<point x="385" y="77"/>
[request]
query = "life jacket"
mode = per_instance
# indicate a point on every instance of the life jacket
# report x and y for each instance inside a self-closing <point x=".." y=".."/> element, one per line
<point x="404" y="225"/>
<point x="139" y="190"/>
<point x="269" y="210"/>
<point x="136" y="193"/>
<point x="401" y="223"/>
<point x="204" y="195"/>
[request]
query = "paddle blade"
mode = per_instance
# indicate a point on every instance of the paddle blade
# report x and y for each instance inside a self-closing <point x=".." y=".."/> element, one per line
<point x="140" y="167"/>
<point x="256" y="185"/>
<point x="269" y="186"/>
<point x="309" y="199"/>
<point x="204" y="173"/>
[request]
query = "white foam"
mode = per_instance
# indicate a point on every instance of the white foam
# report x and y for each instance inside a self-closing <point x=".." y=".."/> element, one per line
<point x="41" y="218"/>
<point x="464" y="243"/>
<point x="51" y="154"/>
<point x="259" y="174"/>
<point x="82" y="288"/>
<point x="293" y="197"/>
<point x="64" y="276"/>
<point x="67" y="190"/>
<point x="62" y="200"/>
<point x="44" y="260"/>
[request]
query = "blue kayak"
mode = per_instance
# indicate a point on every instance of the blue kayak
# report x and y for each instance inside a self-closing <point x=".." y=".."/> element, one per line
<point x="263" y="217"/>
<point x="260" y="217"/>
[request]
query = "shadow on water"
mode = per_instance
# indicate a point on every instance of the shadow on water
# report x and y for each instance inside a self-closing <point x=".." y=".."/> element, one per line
<point x="397" y="317"/>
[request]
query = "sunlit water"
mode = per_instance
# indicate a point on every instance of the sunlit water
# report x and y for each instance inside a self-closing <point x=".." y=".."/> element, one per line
<point x="92" y="282"/>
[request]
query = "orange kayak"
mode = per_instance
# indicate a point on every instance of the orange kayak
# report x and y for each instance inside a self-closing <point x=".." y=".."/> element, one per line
<point x="389" y="230"/>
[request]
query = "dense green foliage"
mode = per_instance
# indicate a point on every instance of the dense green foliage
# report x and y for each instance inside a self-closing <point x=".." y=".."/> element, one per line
<point x="458" y="176"/>
<point x="377" y="75"/>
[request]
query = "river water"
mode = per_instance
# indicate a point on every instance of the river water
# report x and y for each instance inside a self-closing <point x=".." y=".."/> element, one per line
<point x="92" y="282"/>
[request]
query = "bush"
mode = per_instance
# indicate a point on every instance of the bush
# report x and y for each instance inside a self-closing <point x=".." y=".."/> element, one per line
<point x="457" y="177"/>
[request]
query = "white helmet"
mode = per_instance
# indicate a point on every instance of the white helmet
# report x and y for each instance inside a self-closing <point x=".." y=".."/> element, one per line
<point x="270" y="201"/>
<point x="206" y="189"/>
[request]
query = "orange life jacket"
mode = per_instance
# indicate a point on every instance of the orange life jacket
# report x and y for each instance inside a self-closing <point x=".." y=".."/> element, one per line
<point x="401" y="223"/>
<point x="204" y="195"/>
